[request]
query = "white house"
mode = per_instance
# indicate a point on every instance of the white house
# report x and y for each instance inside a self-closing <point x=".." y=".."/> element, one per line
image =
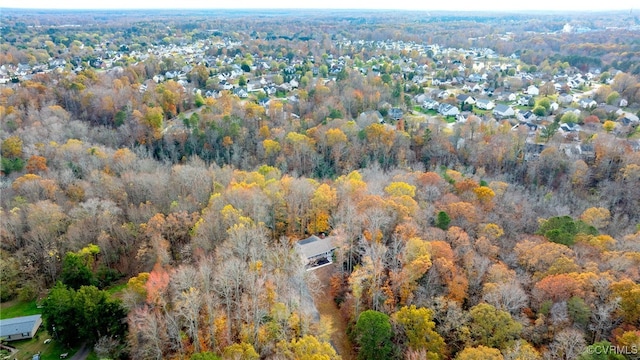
<point x="19" y="328"/>
<point x="526" y="116"/>
<point x="430" y="104"/>
<point x="524" y="100"/>
<point x="466" y="99"/>
<point x="448" y="110"/>
<point x="503" y="111"/>
<point x="566" y="128"/>
<point x="315" y="251"/>
<point x="565" y="98"/>
<point x="533" y="90"/>
<point x="485" y="104"/>
<point x="587" y="103"/>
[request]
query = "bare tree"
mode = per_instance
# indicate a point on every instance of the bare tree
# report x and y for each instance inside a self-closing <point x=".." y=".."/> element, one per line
<point x="188" y="308"/>
<point x="147" y="334"/>
<point x="567" y="345"/>
<point x="507" y="296"/>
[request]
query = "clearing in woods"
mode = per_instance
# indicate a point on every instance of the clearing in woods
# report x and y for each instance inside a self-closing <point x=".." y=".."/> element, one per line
<point x="327" y="307"/>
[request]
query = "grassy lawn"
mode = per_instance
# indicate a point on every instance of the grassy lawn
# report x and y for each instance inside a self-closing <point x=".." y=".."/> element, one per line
<point x="27" y="348"/>
<point x="480" y="112"/>
<point x="450" y="119"/>
<point x="15" y="308"/>
<point x="50" y="351"/>
<point x="116" y="290"/>
<point x="424" y="111"/>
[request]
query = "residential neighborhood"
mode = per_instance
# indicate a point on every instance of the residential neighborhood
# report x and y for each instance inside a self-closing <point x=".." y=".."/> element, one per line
<point x="319" y="183"/>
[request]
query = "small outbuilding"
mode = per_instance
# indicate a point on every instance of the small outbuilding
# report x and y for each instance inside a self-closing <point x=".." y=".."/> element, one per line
<point x="19" y="328"/>
<point x="316" y="251"/>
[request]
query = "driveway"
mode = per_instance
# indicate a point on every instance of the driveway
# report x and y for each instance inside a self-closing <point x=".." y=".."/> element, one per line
<point x="82" y="353"/>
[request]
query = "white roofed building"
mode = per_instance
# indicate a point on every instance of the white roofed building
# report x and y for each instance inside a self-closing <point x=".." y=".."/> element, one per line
<point x="316" y="251"/>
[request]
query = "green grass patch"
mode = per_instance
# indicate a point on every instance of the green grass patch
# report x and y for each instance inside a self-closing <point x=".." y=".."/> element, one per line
<point x="116" y="290"/>
<point x="480" y="111"/>
<point x="450" y="119"/>
<point x="425" y="111"/>
<point x="50" y="351"/>
<point x="16" y="308"/>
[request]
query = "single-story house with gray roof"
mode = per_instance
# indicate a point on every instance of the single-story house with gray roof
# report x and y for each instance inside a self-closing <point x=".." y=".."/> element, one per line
<point x="24" y="327"/>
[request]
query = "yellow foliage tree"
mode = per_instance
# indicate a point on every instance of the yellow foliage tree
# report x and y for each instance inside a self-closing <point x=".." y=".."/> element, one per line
<point x="241" y="351"/>
<point x="418" y="327"/>
<point x="417" y="261"/>
<point x="271" y="147"/>
<point x="310" y="348"/>
<point x="335" y="137"/>
<point x="492" y="231"/>
<point x="485" y="194"/>
<point x="630" y="173"/>
<point x="479" y="353"/>
<point x="400" y="188"/>
<point x="323" y="202"/>
<point x="609" y="126"/>
<point x="137" y="286"/>
<point x="601" y="242"/>
<point x="351" y="183"/>
<point x="264" y="132"/>
<point x="596" y="216"/>
<point x="12" y="147"/>
<point x="629" y="293"/>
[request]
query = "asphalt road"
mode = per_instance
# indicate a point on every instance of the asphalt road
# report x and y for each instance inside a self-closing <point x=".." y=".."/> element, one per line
<point x="82" y="353"/>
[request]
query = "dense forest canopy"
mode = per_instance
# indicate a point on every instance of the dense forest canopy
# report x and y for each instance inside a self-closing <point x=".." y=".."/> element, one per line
<point x="181" y="155"/>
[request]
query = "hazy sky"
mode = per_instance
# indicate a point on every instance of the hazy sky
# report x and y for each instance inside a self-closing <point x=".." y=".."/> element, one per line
<point x="461" y="5"/>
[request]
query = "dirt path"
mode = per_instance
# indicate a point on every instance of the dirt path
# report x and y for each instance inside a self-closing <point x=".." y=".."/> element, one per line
<point x="327" y="307"/>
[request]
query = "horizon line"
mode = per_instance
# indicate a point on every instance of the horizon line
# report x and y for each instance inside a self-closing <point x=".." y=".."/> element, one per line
<point x="318" y="8"/>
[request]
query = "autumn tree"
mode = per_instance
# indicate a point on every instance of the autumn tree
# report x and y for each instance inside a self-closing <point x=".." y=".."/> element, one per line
<point x="609" y="126"/>
<point x="416" y="331"/>
<point x="310" y="348"/>
<point x="492" y="327"/>
<point x="12" y="155"/>
<point x="37" y="164"/>
<point x="597" y="217"/>
<point x="521" y="350"/>
<point x="556" y="288"/>
<point x="240" y="351"/>
<point x="629" y="294"/>
<point x="323" y="203"/>
<point x="479" y="353"/>
<point x="416" y="262"/>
